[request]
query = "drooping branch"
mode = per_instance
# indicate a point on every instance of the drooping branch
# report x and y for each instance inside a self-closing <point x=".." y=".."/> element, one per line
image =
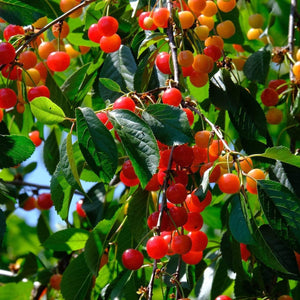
<point x="291" y="35"/>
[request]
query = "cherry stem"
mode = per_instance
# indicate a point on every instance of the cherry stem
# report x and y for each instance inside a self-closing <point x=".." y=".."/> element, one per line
<point x="151" y="282"/>
<point x="291" y="35"/>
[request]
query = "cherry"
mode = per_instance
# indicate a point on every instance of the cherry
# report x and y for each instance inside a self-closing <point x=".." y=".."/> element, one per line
<point x="12" y="72"/>
<point x="127" y="181"/>
<point x="191" y="205"/>
<point x="203" y="63"/>
<point x="181" y="244"/>
<point x="203" y="138"/>
<point x="198" y="79"/>
<point x="213" y="51"/>
<point x="181" y="176"/>
<point x="200" y="156"/>
<point x="176" y="193"/>
<point x="210" y="9"/>
<point x="42" y="70"/>
<point x="280" y="85"/>
<point x="35" y="137"/>
<point x="229" y="183"/>
<point x="128" y="170"/>
<point x="226" y="29"/>
<point x="192" y="257"/>
<point x="223" y="297"/>
<point x="197" y="6"/>
<point x="44" y="201"/>
<point x="1" y="114"/>
<point x="38" y="91"/>
<point x="108" y="25"/>
<point x="156" y="247"/>
<point x="207" y="21"/>
<point x="164" y="159"/>
<point x="186" y="19"/>
<point x="8" y="98"/>
<point x="32" y="77"/>
<point x="162" y="62"/>
<point x="215" y="173"/>
<point x="153" y="184"/>
<point x="29" y="204"/>
<point x="55" y="281"/>
<point x="124" y="103"/>
<point x="79" y="209"/>
<point x="296" y="69"/>
<point x="269" y="97"/>
<point x="216" y="148"/>
<point x="12" y="30"/>
<point x="285" y="297"/>
<point x="238" y="48"/>
<point x="226" y="6"/>
<point x="199" y="240"/>
<point x="214" y="40"/>
<point x="166" y="223"/>
<point x="109" y="44"/>
<point x="142" y="22"/>
<point x="194" y="222"/>
<point x="66" y="5"/>
<point x="201" y="204"/>
<point x="132" y="259"/>
<point x="202" y="31"/>
<point x="7" y="53"/>
<point x="245" y="164"/>
<point x="183" y="155"/>
<point x="172" y="96"/>
<point x="274" y="116"/>
<point x="178" y="215"/>
<point x="256" y="21"/>
<point x="190" y="115"/>
<point x="257" y="174"/>
<point x="61" y="30"/>
<point x="94" y="33"/>
<point x="254" y="33"/>
<point x="28" y="59"/>
<point x="161" y="16"/>
<point x="102" y="116"/>
<point x="58" y="61"/>
<point x="245" y="253"/>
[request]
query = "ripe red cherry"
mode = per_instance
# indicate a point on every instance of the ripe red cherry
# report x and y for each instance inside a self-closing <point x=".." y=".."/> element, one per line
<point x="128" y="170"/>
<point x="199" y="240"/>
<point x="153" y="184"/>
<point x="194" y="222"/>
<point x="229" y="183"/>
<point x="94" y="33"/>
<point x="172" y="96"/>
<point x="58" y="61"/>
<point x="55" y="281"/>
<point x="213" y="51"/>
<point x="29" y="204"/>
<point x="38" y="91"/>
<point x="178" y="215"/>
<point x="161" y="16"/>
<point x="12" y="72"/>
<point x="128" y="181"/>
<point x="165" y="225"/>
<point x="35" y="137"/>
<point x="223" y="297"/>
<point x="269" y="97"/>
<point x="192" y="257"/>
<point x="181" y="244"/>
<point x="162" y="62"/>
<point x="202" y="204"/>
<point x="108" y="25"/>
<point x="245" y="253"/>
<point x="8" y="98"/>
<point x="12" y="30"/>
<point x="44" y="201"/>
<point x="132" y="259"/>
<point x="142" y="17"/>
<point x="187" y="71"/>
<point x="190" y="115"/>
<point x="176" y="193"/>
<point x="79" y="209"/>
<point x="7" y="53"/>
<point x="109" y="44"/>
<point x="156" y="247"/>
<point x="276" y="83"/>
<point x="102" y="116"/>
<point x="124" y="103"/>
<point x="183" y="155"/>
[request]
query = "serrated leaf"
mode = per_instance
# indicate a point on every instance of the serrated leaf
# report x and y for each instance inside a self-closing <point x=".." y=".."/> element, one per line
<point x="150" y="40"/>
<point x="168" y="123"/>
<point x="110" y="84"/>
<point x="282" y="209"/>
<point x="283" y="154"/>
<point x="257" y="66"/>
<point x="138" y="141"/>
<point x="96" y="144"/>
<point x="51" y="152"/>
<point x="76" y="279"/>
<point x="237" y="222"/>
<point x="14" y="150"/>
<point x="31" y="10"/>
<point x="71" y="239"/>
<point x="46" y="111"/>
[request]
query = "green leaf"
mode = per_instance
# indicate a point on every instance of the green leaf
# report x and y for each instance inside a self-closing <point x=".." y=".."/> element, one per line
<point x="14" y="150"/>
<point x="67" y="240"/>
<point x="282" y="209"/>
<point x="138" y="141"/>
<point x="237" y="222"/>
<point x="16" y="291"/>
<point x="96" y="144"/>
<point x="51" y="152"/>
<point x="76" y="279"/>
<point x="31" y="10"/>
<point x="283" y="154"/>
<point x="2" y="226"/>
<point x="168" y="123"/>
<point x="43" y="229"/>
<point x="150" y="40"/>
<point x="110" y="84"/>
<point x="46" y="111"/>
<point x="257" y="66"/>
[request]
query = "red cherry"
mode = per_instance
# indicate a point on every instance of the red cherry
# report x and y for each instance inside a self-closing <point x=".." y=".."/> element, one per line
<point x="194" y="222"/>
<point x="178" y="215"/>
<point x="204" y="203"/>
<point x="132" y="259"/>
<point x="187" y="71"/>
<point x="79" y="209"/>
<point x="7" y="53"/>
<point x="156" y="247"/>
<point x="124" y="103"/>
<point x="142" y="17"/>
<point x="55" y="281"/>
<point x="192" y="257"/>
<point x="190" y="115"/>
<point x="94" y="33"/>
<point x="153" y="184"/>
<point x="213" y="51"/>
<point x="58" y="61"/>
<point x="245" y="253"/>
<point x="172" y="97"/>
<point x="223" y="297"/>
<point x="183" y="155"/>
<point x="229" y="183"/>
<point x="161" y="16"/>
<point x="127" y="181"/>
<point x="29" y="204"/>
<point x="176" y="193"/>
<point x="269" y="97"/>
<point x="199" y="240"/>
<point x="35" y="137"/>
<point x="11" y="72"/>
<point x="44" y="201"/>
<point x="162" y="62"/>
<point x="109" y="44"/>
<point x="164" y="159"/>
<point x="8" y="98"/>
<point x="276" y="83"/>
<point x="102" y="116"/>
<point x="38" y="91"/>
<point x="12" y="30"/>
<point x="181" y="244"/>
<point x="108" y="25"/>
<point x="128" y="170"/>
<point x="165" y="225"/>
<point x="181" y="177"/>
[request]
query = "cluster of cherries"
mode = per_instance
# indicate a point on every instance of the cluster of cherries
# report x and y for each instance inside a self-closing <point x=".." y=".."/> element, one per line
<point x="42" y="202"/>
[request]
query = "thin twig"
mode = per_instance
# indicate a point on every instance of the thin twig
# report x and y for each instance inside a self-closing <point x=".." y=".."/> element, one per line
<point x="291" y="35"/>
<point x="151" y="282"/>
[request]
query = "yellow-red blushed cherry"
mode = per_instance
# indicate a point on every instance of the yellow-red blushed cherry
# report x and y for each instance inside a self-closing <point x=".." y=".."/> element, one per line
<point x="109" y="44"/>
<point x="132" y="259"/>
<point x="108" y="25"/>
<point x="190" y="115"/>
<point x="12" y="30"/>
<point x="296" y="69"/>
<point x="274" y="116"/>
<point x="229" y="183"/>
<point x="172" y="96"/>
<point x="185" y="58"/>
<point x="7" y="53"/>
<point x="143" y="24"/>
<point x="198" y="79"/>
<point x="8" y="98"/>
<point x="186" y="19"/>
<point x="203" y="138"/>
<point x="161" y="17"/>
<point x="253" y="176"/>
<point x="213" y="51"/>
<point x="226" y="5"/>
